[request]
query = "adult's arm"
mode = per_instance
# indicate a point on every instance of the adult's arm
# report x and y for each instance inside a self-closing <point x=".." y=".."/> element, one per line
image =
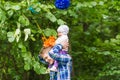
<point x="56" y="55"/>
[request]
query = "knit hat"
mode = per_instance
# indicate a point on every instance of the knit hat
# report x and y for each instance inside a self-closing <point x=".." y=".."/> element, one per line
<point x="63" y="29"/>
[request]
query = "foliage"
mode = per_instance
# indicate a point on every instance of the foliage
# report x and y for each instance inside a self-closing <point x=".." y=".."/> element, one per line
<point x="94" y="38"/>
<point x="21" y="27"/>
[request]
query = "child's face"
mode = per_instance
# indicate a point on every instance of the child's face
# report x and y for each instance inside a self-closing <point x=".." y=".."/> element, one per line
<point x="48" y="59"/>
<point x="60" y="34"/>
<point x="46" y="56"/>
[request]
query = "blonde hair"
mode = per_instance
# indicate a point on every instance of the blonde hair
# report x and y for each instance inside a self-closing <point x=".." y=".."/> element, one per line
<point x="44" y="50"/>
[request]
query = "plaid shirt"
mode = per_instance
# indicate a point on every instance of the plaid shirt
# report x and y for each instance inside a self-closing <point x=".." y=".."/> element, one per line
<point x="64" y="64"/>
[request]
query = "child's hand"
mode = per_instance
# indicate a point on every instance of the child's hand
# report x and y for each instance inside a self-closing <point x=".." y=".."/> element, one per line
<point x="65" y="44"/>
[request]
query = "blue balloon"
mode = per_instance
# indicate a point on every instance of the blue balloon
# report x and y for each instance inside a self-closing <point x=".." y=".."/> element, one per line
<point x="62" y="4"/>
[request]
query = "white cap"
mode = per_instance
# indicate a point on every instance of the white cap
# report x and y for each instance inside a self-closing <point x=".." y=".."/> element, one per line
<point x="63" y="29"/>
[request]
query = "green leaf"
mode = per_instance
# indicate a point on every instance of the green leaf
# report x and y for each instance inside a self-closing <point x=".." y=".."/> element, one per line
<point x="60" y="21"/>
<point x="33" y="39"/>
<point x="16" y="7"/>
<point x="16" y="77"/>
<point x="43" y="70"/>
<point x="10" y="13"/>
<point x="37" y="9"/>
<point x="50" y="32"/>
<point x="113" y="40"/>
<point x="101" y="3"/>
<point x="94" y="3"/>
<point x="7" y="5"/>
<point x="51" y="17"/>
<point x="11" y="39"/>
<point x="27" y="66"/>
<point x="118" y="36"/>
<point x="106" y="53"/>
<point x="36" y="66"/>
<point x="2" y="15"/>
<point x="23" y="48"/>
<point x="24" y="20"/>
<point x="10" y="36"/>
<point x="11" y="5"/>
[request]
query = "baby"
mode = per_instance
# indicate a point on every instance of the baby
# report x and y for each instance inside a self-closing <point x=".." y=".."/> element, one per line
<point x="63" y="31"/>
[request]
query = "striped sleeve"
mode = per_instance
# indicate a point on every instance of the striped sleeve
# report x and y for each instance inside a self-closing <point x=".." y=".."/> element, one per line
<point x="42" y="60"/>
<point x="55" y="54"/>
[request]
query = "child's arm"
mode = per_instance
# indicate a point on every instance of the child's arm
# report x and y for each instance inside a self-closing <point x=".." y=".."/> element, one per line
<point x="42" y="60"/>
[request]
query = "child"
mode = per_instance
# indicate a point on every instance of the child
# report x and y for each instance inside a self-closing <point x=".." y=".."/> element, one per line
<point x="63" y="31"/>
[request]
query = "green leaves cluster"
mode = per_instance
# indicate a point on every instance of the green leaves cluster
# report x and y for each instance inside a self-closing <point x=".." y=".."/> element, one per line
<point x="95" y="43"/>
<point x="21" y="30"/>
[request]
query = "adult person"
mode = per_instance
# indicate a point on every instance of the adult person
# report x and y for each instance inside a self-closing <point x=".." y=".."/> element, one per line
<point x="64" y="61"/>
